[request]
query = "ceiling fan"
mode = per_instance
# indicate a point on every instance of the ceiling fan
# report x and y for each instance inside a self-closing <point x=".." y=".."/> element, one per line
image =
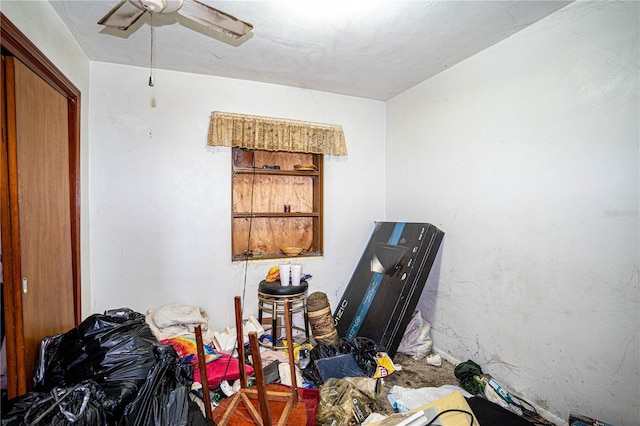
<point x="127" y="12"/>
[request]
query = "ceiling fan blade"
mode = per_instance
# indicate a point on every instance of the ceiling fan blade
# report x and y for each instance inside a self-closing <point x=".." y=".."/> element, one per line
<point x="214" y="18"/>
<point x="122" y="16"/>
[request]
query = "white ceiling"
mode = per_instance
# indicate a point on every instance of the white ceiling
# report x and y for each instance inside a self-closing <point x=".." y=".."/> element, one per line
<point x="370" y="49"/>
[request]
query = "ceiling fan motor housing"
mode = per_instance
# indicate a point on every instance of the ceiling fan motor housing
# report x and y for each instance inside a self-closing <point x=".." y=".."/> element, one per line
<point x="159" y="6"/>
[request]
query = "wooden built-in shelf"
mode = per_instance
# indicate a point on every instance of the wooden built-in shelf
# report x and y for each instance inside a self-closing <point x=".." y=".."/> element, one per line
<point x="259" y="196"/>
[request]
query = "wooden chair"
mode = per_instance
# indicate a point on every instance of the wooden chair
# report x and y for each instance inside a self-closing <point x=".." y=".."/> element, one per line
<point x="202" y="365"/>
<point x="263" y="403"/>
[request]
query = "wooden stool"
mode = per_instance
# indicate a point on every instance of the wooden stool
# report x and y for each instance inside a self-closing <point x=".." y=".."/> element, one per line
<point x="271" y="297"/>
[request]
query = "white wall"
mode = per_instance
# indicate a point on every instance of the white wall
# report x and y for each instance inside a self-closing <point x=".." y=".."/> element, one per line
<point x="526" y="155"/>
<point x="42" y="26"/>
<point x="161" y="198"/>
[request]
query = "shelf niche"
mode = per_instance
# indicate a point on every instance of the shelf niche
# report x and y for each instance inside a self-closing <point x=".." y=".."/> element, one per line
<point x="259" y="197"/>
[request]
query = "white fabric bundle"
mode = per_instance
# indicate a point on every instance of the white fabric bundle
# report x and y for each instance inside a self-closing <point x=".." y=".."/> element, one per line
<point x="173" y="320"/>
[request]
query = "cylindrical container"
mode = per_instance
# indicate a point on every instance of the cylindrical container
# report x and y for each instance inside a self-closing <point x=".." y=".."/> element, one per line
<point x="321" y="320"/>
<point x="285" y="273"/>
<point x="296" y="273"/>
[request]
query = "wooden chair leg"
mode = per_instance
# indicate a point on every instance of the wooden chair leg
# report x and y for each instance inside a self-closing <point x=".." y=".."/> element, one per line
<point x="263" y="401"/>
<point x="202" y="364"/>
<point x="240" y="339"/>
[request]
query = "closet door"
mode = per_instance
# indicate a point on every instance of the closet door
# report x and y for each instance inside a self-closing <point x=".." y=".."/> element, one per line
<point x="39" y="202"/>
<point x="40" y="189"/>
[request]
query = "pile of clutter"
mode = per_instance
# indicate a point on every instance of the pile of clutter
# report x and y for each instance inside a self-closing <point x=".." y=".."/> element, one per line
<point x="110" y="369"/>
<point x="127" y="368"/>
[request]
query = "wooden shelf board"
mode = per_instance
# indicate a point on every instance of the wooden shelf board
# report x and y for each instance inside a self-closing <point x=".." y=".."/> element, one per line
<point x="259" y="171"/>
<point x="239" y="215"/>
<point x="269" y="256"/>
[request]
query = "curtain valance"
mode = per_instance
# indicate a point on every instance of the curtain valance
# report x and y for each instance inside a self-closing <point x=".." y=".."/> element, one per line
<point x="275" y="134"/>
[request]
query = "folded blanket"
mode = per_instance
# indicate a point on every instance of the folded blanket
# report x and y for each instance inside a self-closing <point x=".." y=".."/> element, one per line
<point x="173" y="320"/>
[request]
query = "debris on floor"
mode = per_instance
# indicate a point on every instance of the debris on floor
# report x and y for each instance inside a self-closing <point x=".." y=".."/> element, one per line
<point x="347" y="401"/>
<point x="451" y="409"/>
<point x="406" y="399"/>
<point x="416" y="340"/>
<point x="475" y="382"/>
<point x="113" y="369"/>
<point x="169" y="367"/>
<point x="127" y="368"/>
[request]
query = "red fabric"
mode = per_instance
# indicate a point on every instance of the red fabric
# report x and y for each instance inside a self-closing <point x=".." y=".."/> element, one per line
<point x="311" y="399"/>
<point x="224" y="368"/>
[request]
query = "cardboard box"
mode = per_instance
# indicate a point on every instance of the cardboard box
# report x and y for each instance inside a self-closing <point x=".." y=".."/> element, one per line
<point x="388" y="281"/>
<point x="450" y="410"/>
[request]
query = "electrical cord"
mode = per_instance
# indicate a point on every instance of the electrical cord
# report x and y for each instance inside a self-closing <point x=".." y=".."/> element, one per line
<point x="451" y="410"/>
<point x="246" y="267"/>
<point x="246" y="259"/>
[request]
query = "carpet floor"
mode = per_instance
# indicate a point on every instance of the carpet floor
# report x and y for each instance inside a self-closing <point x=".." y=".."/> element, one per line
<point x="415" y="374"/>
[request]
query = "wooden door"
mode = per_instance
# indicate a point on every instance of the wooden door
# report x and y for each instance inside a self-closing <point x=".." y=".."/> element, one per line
<point x="43" y="204"/>
<point x="39" y="203"/>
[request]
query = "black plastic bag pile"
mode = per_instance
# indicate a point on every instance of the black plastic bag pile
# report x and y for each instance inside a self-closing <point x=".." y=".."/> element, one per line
<point x="363" y="349"/>
<point x="80" y="404"/>
<point x="109" y="370"/>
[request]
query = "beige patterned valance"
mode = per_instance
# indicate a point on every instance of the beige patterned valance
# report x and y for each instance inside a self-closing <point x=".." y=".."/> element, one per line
<point x="275" y="134"/>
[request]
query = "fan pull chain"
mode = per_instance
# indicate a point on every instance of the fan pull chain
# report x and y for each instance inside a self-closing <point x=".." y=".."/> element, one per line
<point x="151" y="58"/>
<point x="151" y="65"/>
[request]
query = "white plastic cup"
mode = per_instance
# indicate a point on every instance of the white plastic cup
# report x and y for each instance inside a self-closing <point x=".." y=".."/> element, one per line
<point x="285" y="273"/>
<point x="296" y="273"/>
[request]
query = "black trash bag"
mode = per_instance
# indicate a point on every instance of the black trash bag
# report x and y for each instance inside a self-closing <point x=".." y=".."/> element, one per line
<point x="196" y="418"/>
<point x="99" y="347"/>
<point x="115" y="350"/>
<point x="78" y="405"/>
<point x="363" y="349"/>
<point x="16" y="408"/>
<point x="120" y="353"/>
<point x="47" y="365"/>
<point x="163" y="399"/>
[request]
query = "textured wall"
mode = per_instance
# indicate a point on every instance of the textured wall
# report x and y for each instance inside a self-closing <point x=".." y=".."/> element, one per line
<point x="526" y="155"/>
<point x="161" y="198"/>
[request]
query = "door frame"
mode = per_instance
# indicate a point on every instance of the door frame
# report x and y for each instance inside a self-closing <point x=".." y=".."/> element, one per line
<point x="16" y="44"/>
